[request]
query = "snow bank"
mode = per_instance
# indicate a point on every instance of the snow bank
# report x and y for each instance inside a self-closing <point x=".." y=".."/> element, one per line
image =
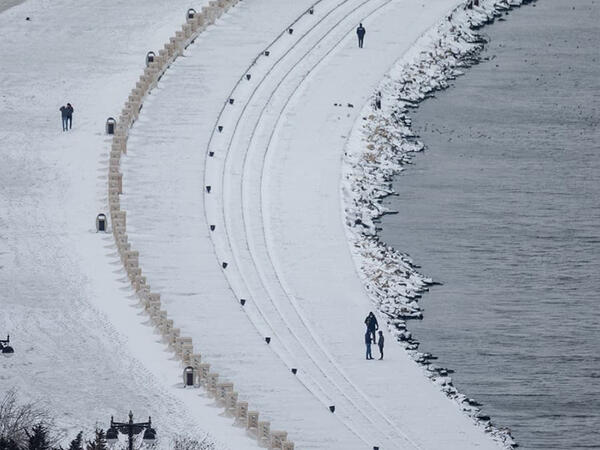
<point x="378" y="149"/>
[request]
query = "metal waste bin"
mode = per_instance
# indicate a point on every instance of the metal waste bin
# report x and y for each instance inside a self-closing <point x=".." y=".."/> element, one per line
<point x="101" y="223"/>
<point x="150" y="58"/>
<point x="188" y="376"/>
<point x="191" y="13"/>
<point x="111" y="123"/>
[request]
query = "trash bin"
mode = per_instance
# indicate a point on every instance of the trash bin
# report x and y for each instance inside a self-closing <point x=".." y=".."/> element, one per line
<point x="191" y="13"/>
<point x="188" y="376"/>
<point x="150" y="58"/>
<point x="101" y="223"/>
<point x="111" y="123"/>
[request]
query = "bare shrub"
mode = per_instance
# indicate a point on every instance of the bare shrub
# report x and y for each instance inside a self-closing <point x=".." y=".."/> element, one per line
<point x="17" y="420"/>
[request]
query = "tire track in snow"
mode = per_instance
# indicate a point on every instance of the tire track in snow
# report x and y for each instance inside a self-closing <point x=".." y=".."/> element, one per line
<point x="259" y="320"/>
<point x="262" y="322"/>
<point x="265" y="288"/>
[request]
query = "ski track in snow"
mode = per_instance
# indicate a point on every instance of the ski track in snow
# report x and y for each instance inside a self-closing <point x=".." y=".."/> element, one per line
<point x="259" y="277"/>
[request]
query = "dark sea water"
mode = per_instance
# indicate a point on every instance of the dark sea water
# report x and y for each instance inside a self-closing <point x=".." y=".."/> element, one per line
<point x="504" y="209"/>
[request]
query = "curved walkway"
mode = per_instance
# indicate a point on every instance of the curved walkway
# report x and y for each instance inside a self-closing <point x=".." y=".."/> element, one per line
<point x="176" y="253"/>
<point x="273" y="166"/>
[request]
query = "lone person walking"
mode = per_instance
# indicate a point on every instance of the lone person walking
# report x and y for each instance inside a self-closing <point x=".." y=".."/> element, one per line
<point x="368" y="344"/>
<point x="380" y="344"/>
<point x="64" y="114"/>
<point x="70" y="115"/>
<point x="360" y="32"/>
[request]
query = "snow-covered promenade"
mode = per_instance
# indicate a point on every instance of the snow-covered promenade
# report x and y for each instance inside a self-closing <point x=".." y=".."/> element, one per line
<point x="274" y="200"/>
<point x="279" y="241"/>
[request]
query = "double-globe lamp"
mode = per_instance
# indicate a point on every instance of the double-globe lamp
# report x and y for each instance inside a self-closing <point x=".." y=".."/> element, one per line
<point x="131" y="429"/>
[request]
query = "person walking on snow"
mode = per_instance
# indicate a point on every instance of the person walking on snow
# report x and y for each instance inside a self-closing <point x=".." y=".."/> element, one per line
<point x="70" y="115"/>
<point x="372" y="326"/>
<point x="64" y="113"/>
<point x="360" y="32"/>
<point x="368" y="344"/>
<point x="380" y="343"/>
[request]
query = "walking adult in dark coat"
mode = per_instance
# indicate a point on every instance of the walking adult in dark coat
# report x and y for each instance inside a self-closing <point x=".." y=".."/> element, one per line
<point x="64" y="114"/>
<point x="372" y="326"/>
<point x="368" y="345"/>
<point x="360" y="32"/>
<point x="380" y="344"/>
<point x="70" y="115"/>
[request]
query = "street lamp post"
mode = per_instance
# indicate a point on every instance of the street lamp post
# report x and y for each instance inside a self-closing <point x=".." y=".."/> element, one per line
<point x="130" y="429"/>
<point x="5" y="348"/>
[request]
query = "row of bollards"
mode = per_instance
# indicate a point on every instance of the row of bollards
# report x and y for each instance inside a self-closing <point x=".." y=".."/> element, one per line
<point x="196" y="372"/>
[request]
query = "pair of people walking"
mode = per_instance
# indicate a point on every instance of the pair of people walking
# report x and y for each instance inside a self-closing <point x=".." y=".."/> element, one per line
<point x="370" y="336"/>
<point x="66" y="113"/>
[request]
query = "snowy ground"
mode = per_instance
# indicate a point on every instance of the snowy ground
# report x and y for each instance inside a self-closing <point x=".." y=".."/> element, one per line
<point x="60" y="281"/>
<point x="5" y="4"/>
<point x="275" y="203"/>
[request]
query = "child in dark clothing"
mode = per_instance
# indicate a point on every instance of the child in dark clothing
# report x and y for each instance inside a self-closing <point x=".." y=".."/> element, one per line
<point x="380" y="343"/>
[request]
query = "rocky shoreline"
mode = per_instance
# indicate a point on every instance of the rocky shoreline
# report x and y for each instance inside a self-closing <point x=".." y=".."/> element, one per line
<point x="379" y="148"/>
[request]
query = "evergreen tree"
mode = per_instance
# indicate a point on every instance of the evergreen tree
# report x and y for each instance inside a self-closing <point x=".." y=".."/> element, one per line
<point x="77" y="443"/>
<point x="8" y="444"/>
<point x="99" y="443"/>
<point x="38" y="438"/>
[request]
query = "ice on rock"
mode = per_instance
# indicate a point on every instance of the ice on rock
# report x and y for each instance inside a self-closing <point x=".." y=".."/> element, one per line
<point x="383" y="145"/>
